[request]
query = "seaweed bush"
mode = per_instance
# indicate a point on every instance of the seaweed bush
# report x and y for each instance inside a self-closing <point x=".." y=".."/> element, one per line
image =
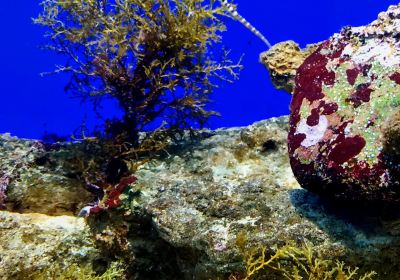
<point x="298" y="262"/>
<point x="153" y="56"/>
<point x="78" y="272"/>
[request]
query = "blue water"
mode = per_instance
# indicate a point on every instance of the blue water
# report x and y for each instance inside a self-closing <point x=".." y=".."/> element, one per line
<point x="32" y="105"/>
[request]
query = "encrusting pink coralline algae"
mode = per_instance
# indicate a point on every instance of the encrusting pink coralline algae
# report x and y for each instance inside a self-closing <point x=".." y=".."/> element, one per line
<point x="344" y="123"/>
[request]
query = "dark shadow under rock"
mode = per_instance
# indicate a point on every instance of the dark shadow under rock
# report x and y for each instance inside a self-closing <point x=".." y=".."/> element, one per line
<point x="370" y="231"/>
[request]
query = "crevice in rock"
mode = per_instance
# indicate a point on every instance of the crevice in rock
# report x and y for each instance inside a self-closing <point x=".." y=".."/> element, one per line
<point x="136" y="242"/>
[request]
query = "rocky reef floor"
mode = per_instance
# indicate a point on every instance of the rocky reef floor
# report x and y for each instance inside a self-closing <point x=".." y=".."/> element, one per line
<point x="185" y="213"/>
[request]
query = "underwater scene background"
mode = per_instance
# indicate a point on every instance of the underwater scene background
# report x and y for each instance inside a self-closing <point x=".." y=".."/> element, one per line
<point x="313" y="194"/>
<point x="35" y="105"/>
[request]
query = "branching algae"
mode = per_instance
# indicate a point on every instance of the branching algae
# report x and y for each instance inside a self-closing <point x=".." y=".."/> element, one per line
<point x="297" y="262"/>
<point x="76" y="272"/>
<point x="152" y="56"/>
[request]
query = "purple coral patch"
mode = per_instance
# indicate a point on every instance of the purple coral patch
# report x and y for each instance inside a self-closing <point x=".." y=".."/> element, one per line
<point x="329" y="108"/>
<point x="106" y="199"/>
<point x="322" y="109"/>
<point x="352" y="75"/>
<point x="313" y="119"/>
<point x="395" y="77"/>
<point x="309" y="86"/>
<point x="347" y="149"/>
<point x="295" y="141"/>
<point x="362" y="94"/>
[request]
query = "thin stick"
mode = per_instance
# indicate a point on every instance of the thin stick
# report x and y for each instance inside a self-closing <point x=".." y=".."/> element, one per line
<point x="238" y="17"/>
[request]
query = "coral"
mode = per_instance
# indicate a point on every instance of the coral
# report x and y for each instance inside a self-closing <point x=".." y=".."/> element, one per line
<point x="346" y="94"/>
<point x="283" y="60"/>
<point x="106" y="197"/>
<point x="295" y="263"/>
<point x="151" y="56"/>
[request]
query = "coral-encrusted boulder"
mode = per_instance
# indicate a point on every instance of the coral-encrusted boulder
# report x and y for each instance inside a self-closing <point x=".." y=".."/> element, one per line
<point x="344" y="124"/>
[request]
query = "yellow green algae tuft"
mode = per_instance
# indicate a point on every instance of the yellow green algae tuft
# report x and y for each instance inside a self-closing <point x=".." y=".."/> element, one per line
<point x="80" y="272"/>
<point x="295" y="262"/>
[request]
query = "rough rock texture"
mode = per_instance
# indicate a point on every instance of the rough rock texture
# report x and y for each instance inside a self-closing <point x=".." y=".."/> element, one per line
<point x="48" y="188"/>
<point x="31" y="242"/>
<point x="282" y="62"/>
<point x="183" y="217"/>
<point x="343" y="124"/>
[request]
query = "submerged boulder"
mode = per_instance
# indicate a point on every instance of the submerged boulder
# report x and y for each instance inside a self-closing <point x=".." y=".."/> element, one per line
<point x="344" y="133"/>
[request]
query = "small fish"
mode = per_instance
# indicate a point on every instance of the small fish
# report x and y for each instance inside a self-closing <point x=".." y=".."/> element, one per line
<point x="238" y="17"/>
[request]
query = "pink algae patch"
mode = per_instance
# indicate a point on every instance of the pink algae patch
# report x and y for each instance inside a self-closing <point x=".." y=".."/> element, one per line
<point x="395" y="77"/>
<point x="347" y="149"/>
<point x="352" y="75"/>
<point x="362" y="94"/>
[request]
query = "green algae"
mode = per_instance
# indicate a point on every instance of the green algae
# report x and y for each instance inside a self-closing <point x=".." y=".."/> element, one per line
<point x="368" y="117"/>
<point x="340" y="91"/>
<point x="79" y="272"/>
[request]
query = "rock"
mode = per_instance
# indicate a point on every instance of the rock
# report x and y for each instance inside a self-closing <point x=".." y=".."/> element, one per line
<point x="283" y="60"/>
<point x="204" y="196"/>
<point x="33" y="242"/>
<point x="184" y="216"/>
<point x="35" y="181"/>
<point x="343" y="126"/>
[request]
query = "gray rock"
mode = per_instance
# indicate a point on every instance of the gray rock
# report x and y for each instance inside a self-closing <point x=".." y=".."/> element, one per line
<point x="239" y="180"/>
<point x="39" y="181"/>
<point x="33" y="242"/>
<point x="183" y="218"/>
